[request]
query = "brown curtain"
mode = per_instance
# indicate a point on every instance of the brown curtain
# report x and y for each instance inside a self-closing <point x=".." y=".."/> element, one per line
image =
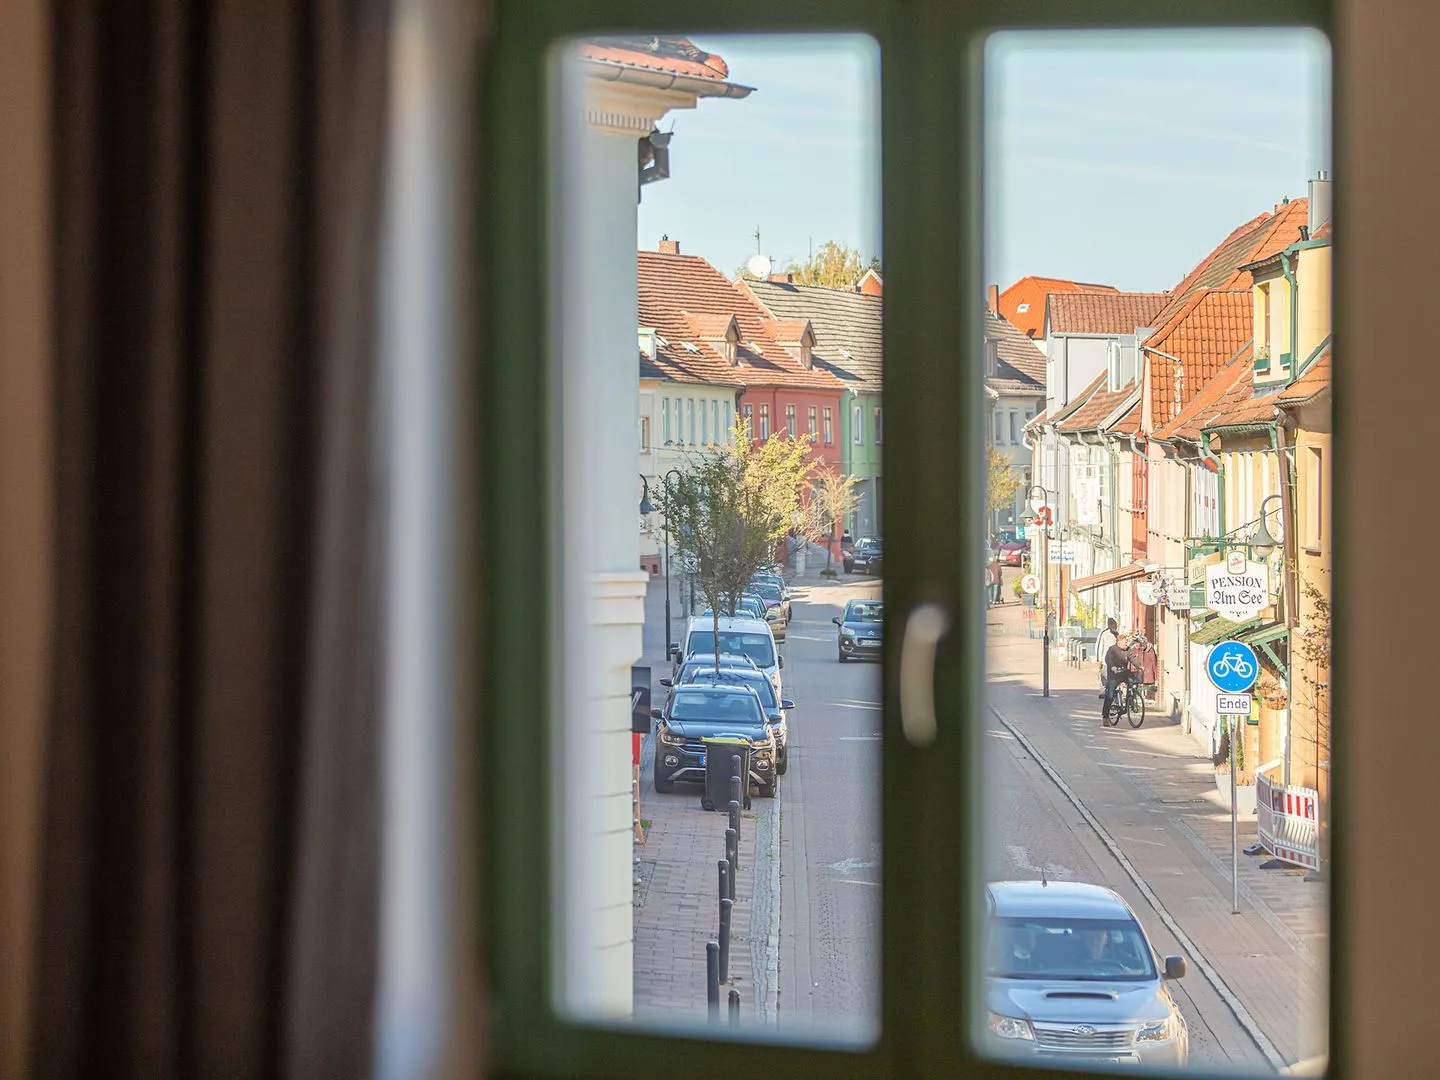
<point x="208" y="894"/>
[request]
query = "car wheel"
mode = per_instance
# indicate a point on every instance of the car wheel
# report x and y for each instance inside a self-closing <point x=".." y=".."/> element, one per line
<point x="782" y="766"/>
<point x="767" y="791"/>
<point x="849" y="569"/>
<point x="841" y="657"/>
<point x="663" y="786"/>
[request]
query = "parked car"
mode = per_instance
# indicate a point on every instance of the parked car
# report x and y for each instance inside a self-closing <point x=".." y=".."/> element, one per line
<point x="699" y="712"/>
<point x="773" y="595"/>
<point x="1071" y="975"/>
<point x="750" y="605"/>
<point x="773" y="613"/>
<point x="773" y="577"/>
<point x="777" y="710"/>
<point x="865" y="559"/>
<point x="750" y="637"/>
<point x="860" y="626"/>
<point x="704" y="660"/>
<point x="1012" y="552"/>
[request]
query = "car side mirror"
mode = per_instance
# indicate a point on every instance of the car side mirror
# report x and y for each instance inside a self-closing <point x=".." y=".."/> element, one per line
<point x="1174" y="967"/>
<point x="786" y="703"/>
<point x="667" y="682"/>
<point x="836" y="620"/>
<point x="657" y="714"/>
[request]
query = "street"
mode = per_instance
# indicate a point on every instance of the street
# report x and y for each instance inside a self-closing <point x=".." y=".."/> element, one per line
<point x="816" y="972"/>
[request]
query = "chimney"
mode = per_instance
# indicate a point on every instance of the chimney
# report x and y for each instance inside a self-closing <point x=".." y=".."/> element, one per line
<point x="992" y="299"/>
<point x="1320" y="200"/>
<point x="668" y="246"/>
<point x="783" y="279"/>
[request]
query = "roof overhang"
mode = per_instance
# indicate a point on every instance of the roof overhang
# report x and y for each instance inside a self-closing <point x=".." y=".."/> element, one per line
<point x="1109" y="577"/>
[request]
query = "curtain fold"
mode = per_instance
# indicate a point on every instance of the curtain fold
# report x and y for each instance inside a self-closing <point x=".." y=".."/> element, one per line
<point x="211" y="816"/>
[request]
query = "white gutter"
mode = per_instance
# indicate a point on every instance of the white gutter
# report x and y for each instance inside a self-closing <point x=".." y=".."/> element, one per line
<point x="660" y="80"/>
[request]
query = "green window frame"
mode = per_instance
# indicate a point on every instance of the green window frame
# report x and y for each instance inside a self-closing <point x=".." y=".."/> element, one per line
<point x="932" y="906"/>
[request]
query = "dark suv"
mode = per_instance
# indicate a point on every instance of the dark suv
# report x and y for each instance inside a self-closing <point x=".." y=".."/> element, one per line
<point x="696" y="713"/>
<point x="865" y="559"/>
<point x="777" y="712"/>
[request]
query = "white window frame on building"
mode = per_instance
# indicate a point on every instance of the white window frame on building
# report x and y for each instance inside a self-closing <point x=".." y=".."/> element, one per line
<point x="857" y="425"/>
<point x="764" y="422"/>
<point x="790" y="427"/>
<point x="829" y="419"/>
<point x="879" y="430"/>
<point x="644" y="434"/>
<point x="810" y="417"/>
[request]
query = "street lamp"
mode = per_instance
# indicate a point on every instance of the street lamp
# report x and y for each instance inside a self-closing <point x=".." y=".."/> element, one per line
<point x="668" y="505"/>
<point x="1038" y="498"/>
<point x="1262" y="543"/>
<point x="646" y="506"/>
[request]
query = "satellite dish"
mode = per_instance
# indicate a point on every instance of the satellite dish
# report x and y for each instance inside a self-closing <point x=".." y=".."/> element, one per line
<point x="759" y="266"/>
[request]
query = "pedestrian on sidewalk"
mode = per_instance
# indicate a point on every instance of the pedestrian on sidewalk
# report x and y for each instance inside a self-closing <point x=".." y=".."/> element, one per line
<point x="995" y="575"/>
<point x="1103" y="641"/>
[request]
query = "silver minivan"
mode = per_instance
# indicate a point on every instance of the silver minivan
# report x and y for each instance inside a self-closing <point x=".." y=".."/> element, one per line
<point x="1070" y="974"/>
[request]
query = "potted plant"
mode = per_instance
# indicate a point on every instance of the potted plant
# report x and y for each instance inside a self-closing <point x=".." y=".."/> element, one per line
<point x="1245" y="789"/>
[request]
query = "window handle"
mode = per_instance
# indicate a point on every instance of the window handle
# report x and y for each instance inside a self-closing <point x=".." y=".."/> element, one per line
<point x="926" y="625"/>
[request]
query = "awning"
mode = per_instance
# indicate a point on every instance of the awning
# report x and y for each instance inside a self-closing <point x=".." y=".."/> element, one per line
<point x="1108" y="577"/>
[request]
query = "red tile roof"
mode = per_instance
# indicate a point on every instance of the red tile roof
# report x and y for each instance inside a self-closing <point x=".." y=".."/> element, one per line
<point x="1322" y="233"/>
<point x="1314" y="380"/>
<point x="670" y="55"/>
<point x="1071" y="407"/>
<point x="680" y="292"/>
<point x="1103" y="312"/>
<point x="1233" y="378"/>
<point x="1031" y="293"/>
<point x="1199" y="337"/>
<point x="1129" y="422"/>
<point x="1097" y="407"/>
<point x="1259" y="238"/>
<point x="1240" y="409"/>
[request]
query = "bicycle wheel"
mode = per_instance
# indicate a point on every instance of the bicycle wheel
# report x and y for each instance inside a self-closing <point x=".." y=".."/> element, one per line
<point x="1137" y="709"/>
<point x="1111" y="718"/>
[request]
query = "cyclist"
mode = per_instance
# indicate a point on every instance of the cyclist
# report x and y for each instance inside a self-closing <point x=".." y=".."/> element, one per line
<point x="1119" y="668"/>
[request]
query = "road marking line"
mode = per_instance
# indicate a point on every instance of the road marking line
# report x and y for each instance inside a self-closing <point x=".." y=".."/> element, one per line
<point x="855" y="881"/>
<point x="1214" y="978"/>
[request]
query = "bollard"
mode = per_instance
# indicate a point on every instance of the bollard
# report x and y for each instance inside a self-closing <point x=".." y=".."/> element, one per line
<point x="734" y="1008"/>
<point x="726" y="906"/>
<point x="735" y="824"/>
<point x="737" y="788"/>
<point x="712" y="979"/>
<point x="732" y="855"/>
<point x="724" y="867"/>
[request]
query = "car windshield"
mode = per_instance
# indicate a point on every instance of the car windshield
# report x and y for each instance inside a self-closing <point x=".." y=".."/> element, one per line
<point x="738" y="677"/>
<point x="765" y="589"/>
<point x="1095" y="950"/>
<point x="717" y="708"/>
<point x="744" y="606"/>
<point x="862" y="611"/>
<point x="869" y="545"/>
<point x="759" y="647"/>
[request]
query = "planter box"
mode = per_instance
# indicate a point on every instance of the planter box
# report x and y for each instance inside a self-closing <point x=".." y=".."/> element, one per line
<point x="1244" y="797"/>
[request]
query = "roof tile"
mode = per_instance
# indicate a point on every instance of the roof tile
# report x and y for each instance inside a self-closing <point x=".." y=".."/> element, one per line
<point x="1103" y="312"/>
<point x="1198" y="338"/>
<point x="1232" y="379"/>
<point x="1314" y="380"/>
<point x="671" y="55"/>
<point x="1030" y="293"/>
<point x="1098" y="406"/>
<point x="676" y="291"/>
<point x="1017" y="357"/>
<point x="847" y="325"/>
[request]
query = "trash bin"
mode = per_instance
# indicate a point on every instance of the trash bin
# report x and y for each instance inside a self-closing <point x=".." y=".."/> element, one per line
<point x="718" y="770"/>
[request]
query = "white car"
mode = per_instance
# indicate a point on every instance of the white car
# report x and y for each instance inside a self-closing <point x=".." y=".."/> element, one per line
<point x="1070" y="975"/>
<point x="752" y="637"/>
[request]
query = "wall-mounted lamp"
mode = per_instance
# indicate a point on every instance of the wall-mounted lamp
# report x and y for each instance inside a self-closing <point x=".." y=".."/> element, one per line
<point x="654" y="156"/>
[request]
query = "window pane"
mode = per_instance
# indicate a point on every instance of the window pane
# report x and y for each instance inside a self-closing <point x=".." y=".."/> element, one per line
<point x="655" y="233"/>
<point x="1167" y="461"/>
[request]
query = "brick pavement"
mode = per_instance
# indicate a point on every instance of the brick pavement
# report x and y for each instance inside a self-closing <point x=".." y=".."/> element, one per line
<point x="1153" y="790"/>
<point x="676" y="892"/>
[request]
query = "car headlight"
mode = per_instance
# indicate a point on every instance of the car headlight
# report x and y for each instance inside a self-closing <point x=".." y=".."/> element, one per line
<point x="669" y="738"/>
<point x="1010" y="1027"/>
<point x="1160" y="1031"/>
<point x="847" y="633"/>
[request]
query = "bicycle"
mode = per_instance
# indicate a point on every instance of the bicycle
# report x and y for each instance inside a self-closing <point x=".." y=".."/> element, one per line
<point x="1129" y="702"/>
<point x="1236" y="664"/>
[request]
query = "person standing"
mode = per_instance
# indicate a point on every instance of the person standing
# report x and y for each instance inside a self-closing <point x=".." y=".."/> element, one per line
<point x="996" y="576"/>
<point x="1106" y="638"/>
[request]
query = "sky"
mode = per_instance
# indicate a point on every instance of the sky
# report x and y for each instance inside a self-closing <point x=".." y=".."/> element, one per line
<point x="1114" y="157"/>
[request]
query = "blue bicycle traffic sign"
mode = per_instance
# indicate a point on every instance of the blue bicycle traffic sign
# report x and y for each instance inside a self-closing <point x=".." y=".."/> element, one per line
<point x="1232" y="667"/>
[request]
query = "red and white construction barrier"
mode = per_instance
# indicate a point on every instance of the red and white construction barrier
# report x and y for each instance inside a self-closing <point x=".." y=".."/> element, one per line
<point x="1289" y="821"/>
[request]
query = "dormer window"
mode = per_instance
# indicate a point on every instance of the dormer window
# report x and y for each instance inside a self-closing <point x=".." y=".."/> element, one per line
<point x="992" y="358"/>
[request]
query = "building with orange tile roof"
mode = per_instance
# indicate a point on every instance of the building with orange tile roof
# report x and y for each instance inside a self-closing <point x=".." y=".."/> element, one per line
<point x="1023" y="303"/>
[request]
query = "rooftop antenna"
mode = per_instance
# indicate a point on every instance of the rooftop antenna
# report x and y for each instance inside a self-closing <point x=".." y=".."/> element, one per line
<point x="1044" y="881"/>
<point x="757" y="240"/>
